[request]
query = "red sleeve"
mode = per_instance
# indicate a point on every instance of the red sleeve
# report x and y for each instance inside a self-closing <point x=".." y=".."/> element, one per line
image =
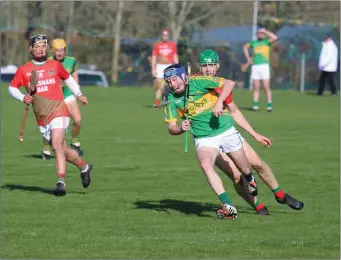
<point x="228" y="100"/>
<point x="17" y="81"/>
<point x="62" y="73"/>
<point x="175" y="49"/>
<point x="155" y="50"/>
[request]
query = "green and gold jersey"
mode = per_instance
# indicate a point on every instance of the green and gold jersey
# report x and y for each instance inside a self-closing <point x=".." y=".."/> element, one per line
<point x="69" y="64"/>
<point x="261" y="51"/>
<point x="201" y="101"/>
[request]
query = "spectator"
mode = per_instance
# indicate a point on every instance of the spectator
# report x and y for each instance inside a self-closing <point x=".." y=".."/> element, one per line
<point x="328" y="65"/>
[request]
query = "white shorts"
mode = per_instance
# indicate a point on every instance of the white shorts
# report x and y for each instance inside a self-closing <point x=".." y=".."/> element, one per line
<point x="69" y="99"/>
<point x="229" y="141"/>
<point x="159" y="70"/>
<point x="58" y="122"/>
<point x="260" y="72"/>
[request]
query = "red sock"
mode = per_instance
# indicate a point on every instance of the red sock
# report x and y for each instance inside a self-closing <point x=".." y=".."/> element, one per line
<point x="259" y="207"/>
<point x="81" y="164"/>
<point x="279" y="194"/>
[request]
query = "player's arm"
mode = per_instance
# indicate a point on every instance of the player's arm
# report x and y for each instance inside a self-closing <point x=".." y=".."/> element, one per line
<point x="227" y="88"/>
<point x="154" y="57"/>
<point x="75" y="73"/>
<point x="240" y="120"/>
<point x="72" y="84"/>
<point x="246" y="52"/>
<point x="13" y="89"/>
<point x="272" y="37"/>
<point x="171" y="118"/>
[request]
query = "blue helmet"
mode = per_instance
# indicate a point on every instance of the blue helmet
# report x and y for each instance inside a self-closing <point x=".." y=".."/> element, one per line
<point x="174" y="70"/>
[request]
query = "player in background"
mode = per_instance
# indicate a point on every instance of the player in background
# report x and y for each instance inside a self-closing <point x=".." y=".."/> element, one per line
<point x="260" y="70"/>
<point x="59" y="52"/>
<point x="164" y="54"/>
<point x="49" y="107"/>
<point x="211" y="126"/>
<point x="209" y="66"/>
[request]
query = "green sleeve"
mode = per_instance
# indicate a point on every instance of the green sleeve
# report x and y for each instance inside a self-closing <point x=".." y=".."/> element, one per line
<point x="74" y="68"/>
<point x="205" y="84"/>
<point x="171" y="112"/>
<point x="267" y="41"/>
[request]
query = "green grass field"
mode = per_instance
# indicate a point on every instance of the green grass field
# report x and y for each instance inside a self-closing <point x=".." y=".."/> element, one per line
<point x="148" y="199"/>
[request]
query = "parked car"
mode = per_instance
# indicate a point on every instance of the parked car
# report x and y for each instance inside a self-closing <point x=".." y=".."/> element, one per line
<point x="7" y="73"/>
<point x="92" y="78"/>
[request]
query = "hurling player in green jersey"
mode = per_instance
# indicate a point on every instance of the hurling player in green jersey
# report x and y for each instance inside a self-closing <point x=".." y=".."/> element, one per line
<point x="209" y="66"/>
<point x="59" y="51"/>
<point x="260" y="70"/>
<point x="211" y="126"/>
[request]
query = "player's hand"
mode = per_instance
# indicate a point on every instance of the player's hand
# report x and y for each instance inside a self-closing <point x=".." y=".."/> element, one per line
<point x="185" y="125"/>
<point x="28" y="99"/>
<point x="218" y="109"/>
<point x="83" y="100"/>
<point x="262" y="139"/>
<point x="249" y="61"/>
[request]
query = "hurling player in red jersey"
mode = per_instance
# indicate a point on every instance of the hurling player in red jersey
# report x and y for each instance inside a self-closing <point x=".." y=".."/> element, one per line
<point x="51" y="112"/>
<point x="164" y="54"/>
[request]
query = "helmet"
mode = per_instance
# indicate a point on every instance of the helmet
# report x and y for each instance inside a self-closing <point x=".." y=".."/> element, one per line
<point x="208" y="57"/>
<point x="35" y="38"/>
<point x="174" y="70"/>
<point x="58" y="44"/>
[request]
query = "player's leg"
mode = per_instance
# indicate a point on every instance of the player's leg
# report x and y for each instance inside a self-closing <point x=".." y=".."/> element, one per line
<point x="331" y="82"/>
<point x="46" y="151"/>
<point x="158" y="84"/>
<point x="255" y="76"/>
<point x="226" y="165"/>
<point x="207" y="157"/>
<point x="75" y="114"/>
<point x="322" y="83"/>
<point x="267" y="176"/>
<point x="73" y="157"/>
<point x="232" y="145"/>
<point x="267" y="87"/>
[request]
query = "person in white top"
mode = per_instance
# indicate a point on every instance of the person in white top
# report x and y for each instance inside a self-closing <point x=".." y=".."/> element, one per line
<point x="328" y="65"/>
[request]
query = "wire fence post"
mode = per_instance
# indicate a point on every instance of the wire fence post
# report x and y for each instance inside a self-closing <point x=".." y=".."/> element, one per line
<point x="254" y="32"/>
<point x="302" y="76"/>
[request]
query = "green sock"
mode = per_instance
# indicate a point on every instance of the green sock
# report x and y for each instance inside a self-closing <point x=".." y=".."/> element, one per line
<point x="225" y="199"/>
<point x="269" y="104"/>
<point x="46" y="147"/>
<point x="255" y="103"/>
<point x="74" y="140"/>
<point x="276" y="190"/>
<point x="257" y="203"/>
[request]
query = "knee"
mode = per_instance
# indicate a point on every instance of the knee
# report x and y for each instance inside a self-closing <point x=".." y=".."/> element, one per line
<point x="246" y="170"/>
<point x="206" y="166"/>
<point x="77" y="123"/>
<point x="57" y="145"/>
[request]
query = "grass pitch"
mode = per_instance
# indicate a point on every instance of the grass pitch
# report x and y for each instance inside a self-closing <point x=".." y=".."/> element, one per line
<point x="148" y="199"/>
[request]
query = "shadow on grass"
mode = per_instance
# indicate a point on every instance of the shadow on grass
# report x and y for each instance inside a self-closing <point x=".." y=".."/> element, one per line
<point x="246" y="109"/>
<point x="12" y="187"/>
<point x="185" y="207"/>
<point x="36" y="156"/>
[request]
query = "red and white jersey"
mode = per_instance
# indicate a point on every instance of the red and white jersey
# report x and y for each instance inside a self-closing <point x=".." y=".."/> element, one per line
<point x="167" y="51"/>
<point x="48" y="100"/>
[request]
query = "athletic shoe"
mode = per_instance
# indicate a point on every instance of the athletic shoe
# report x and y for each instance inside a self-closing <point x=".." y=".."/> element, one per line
<point x="291" y="202"/>
<point x="255" y="108"/>
<point x="85" y="176"/>
<point x="263" y="211"/>
<point x="227" y="211"/>
<point x="60" y="189"/>
<point x="45" y="155"/>
<point x="269" y="108"/>
<point x="252" y="187"/>
<point x="77" y="148"/>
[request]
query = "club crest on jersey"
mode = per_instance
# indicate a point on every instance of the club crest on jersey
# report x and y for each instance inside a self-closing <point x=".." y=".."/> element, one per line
<point x="51" y="72"/>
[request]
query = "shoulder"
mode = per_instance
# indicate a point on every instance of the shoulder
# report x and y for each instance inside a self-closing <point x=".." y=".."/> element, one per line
<point x="70" y="58"/>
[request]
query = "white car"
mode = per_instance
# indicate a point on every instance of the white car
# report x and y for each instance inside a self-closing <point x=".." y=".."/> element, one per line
<point x="92" y="78"/>
<point x="7" y="73"/>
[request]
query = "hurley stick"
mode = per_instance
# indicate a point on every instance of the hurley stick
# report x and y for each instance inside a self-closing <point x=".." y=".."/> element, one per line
<point x="186" y="103"/>
<point x="32" y="87"/>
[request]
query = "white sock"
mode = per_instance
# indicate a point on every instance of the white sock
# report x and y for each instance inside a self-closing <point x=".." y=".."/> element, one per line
<point x="86" y="168"/>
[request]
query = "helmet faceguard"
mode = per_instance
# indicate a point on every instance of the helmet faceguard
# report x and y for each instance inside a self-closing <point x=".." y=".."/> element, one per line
<point x="208" y="57"/>
<point x="175" y="70"/>
<point x="35" y="39"/>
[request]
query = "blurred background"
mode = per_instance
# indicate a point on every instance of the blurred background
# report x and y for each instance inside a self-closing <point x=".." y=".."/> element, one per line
<point x="115" y="39"/>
